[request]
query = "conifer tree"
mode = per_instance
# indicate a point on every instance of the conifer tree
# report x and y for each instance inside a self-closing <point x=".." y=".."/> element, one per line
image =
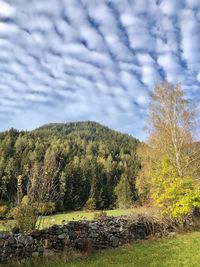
<point x="123" y="193"/>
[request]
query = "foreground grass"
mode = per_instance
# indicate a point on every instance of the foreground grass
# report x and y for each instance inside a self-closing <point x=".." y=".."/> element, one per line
<point x="182" y="250"/>
<point x="69" y="216"/>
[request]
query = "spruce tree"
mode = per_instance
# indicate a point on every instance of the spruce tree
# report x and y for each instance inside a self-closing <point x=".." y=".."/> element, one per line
<point x="123" y="193"/>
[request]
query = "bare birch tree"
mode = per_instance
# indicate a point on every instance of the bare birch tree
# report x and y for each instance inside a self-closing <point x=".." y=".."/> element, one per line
<point x="41" y="191"/>
<point x="172" y="134"/>
<point x="172" y="120"/>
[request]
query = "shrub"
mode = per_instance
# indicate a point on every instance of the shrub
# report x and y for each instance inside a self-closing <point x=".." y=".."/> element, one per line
<point x="176" y="196"/>
<point x="90" y="204"/>
<point x="100" y="215"/>
<point x="47" y="208"/>
<point x="3" y="211"/>
<point x="26" y="216"/>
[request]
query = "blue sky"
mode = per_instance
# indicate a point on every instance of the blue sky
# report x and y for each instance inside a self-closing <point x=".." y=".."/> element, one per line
<point x="73" y="60"/>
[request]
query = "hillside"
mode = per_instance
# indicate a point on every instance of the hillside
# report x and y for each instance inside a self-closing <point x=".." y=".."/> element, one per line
<point x="85" y="159"/>
<point x="87" y="130"/>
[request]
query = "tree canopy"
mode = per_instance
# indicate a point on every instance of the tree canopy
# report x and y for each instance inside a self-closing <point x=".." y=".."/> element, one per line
<point x="85" y="160"/>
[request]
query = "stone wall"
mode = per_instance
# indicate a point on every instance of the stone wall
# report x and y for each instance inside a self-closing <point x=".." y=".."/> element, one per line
<point x="105" y="233"/>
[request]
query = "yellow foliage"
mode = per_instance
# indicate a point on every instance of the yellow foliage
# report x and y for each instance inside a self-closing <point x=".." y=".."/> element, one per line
<point x="176" y="196"/>
<point x="3" y="210"/>
<point x="47" y="208"/>
<point x="26" y="216"/>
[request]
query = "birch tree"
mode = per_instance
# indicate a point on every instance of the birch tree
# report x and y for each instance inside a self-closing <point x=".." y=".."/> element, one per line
<point x="172" y="121"/>
<point x="172" y="136"/>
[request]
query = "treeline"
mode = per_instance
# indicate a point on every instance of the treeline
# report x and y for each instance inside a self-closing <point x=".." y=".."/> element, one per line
<point x="86" y="160"/>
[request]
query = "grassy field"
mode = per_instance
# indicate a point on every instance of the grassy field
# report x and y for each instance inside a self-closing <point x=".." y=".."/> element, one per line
<point x="180" y="251"/>
<point x="79" y="215"/>
<point x="69" y="216"/>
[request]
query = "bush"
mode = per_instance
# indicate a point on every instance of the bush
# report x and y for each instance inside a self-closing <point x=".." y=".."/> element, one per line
<point x="3" y="211"/>
<point x="100" y="215"/>
<point x="47" y="208"/>
<point x="176" y="196"/>
<point x="26" y="216"/>
<point x="90" y="204"/>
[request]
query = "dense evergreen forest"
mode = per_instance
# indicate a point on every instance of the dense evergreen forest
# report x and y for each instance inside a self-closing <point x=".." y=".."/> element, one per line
<point x="85" y="159"/>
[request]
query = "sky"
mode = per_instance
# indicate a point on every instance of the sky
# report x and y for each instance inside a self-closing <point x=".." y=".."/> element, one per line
<point x="98" y="60"/>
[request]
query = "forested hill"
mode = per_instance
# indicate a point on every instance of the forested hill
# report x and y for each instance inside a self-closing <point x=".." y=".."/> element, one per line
<point x="86" y="160"/>
<point x="87" y="130"/>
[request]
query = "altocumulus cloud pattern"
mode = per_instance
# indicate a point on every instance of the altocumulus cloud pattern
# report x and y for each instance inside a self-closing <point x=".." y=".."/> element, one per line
<point x="71" y="60"/>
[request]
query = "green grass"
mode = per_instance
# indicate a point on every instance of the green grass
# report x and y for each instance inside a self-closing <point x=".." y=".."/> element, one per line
<point x="79" y="215"/>
<point x="180" y="251"/>
<point x="69" y="216"/>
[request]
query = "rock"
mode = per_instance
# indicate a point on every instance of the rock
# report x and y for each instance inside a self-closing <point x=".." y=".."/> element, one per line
<point x="72" y="235"/>
<point x="52" y="231"/>
<point x="2" y="242"/>
<point x="58" y="246"/>
<point x="65" y="229"/>
<point x="45" y="231"/>
<point x="59" y="232"/>
<point x="121" y="228"/>
<point x="115" y="230"/>
<point x="31" y="249"/>
<point x="62" y="236"/>
<point x="55" y="226"/>
<point x="40" y="249"/>
<point x="35" y="233"/>
<point x="17" y="245"/>
<point x="94" y="235"/>
<point x="35" y="254"/>
<point x="11" y="240"/>
<point x="7" y="249"/>
<point x="25" y="240"/>
<point x="4" y="235"/>
<point x="114" y="241"/>
<point x="15" y="230"/>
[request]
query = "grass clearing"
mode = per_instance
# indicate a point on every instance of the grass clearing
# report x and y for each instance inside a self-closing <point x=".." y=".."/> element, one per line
<point x="80" y="215"/>
<point x="69" y="216"/>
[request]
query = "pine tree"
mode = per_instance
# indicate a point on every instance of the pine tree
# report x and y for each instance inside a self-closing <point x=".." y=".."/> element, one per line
<point x="123" y="193"/>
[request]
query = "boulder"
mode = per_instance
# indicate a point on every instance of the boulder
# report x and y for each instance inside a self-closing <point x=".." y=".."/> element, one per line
<point x="4" y="234"/>
<point x="114" y="241"/>
<point x="25" y="240"/>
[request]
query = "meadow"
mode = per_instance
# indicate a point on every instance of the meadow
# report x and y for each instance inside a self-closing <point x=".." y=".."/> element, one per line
<point x="47" y="221"/>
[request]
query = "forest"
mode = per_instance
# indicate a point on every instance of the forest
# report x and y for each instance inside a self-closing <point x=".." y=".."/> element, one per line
<point x="88" y="164"/>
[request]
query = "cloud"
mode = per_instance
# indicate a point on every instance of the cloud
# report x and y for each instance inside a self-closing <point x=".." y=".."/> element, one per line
<point x="93" y="60"/>
<point x="170" y="65"/>
<point x="148" y="67"/>
<point x="170" y="7"/>
<point x="190" y="38"/>
<point x="6" y="10"/>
